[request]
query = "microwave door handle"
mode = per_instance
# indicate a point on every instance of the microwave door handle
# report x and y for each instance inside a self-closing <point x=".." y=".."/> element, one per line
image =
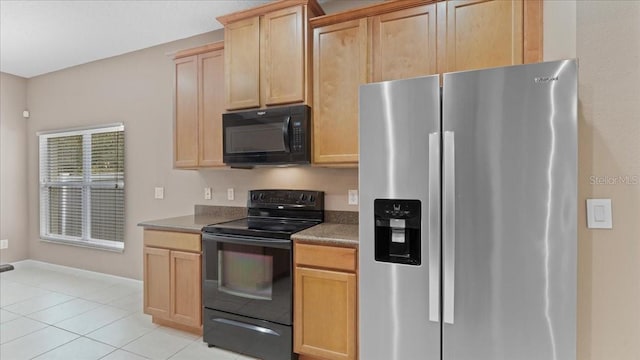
<point x="285" y="133"/>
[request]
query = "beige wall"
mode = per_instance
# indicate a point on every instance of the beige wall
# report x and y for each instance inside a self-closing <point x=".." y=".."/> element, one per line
<point x="559" y="31"/>
<point x="608" y="48"/>
<point x="605" y="37"/>
<point x="13" y="167"/>
<point x="137" y="89"/>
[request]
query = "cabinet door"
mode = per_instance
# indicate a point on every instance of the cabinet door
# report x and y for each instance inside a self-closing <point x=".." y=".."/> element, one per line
<point x="339" y="68"/>
<point x="482" y="33"/>
<point x="186" y="300"/>
<point x="242" y="64"/>
<point x="325" y="314"/>
<point x="211" y="70"/>
<point x="404" y="43"/>
<point x="283" y="56"/>
<point x="156" y="282"/>
<point x="186" y="112"/>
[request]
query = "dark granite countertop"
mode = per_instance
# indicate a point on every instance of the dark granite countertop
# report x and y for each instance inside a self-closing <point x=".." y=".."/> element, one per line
<point x="204" y="215"/>
<point x="331" y="234"/>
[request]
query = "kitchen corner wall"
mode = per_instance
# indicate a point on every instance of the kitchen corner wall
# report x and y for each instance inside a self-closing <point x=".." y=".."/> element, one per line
<point x="13" y="167"/>
<point x="605" y="37"/>
<point x="608" y="49"/>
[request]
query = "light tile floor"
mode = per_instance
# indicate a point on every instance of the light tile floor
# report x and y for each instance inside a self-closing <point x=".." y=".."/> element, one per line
<point x="53" y="312"/>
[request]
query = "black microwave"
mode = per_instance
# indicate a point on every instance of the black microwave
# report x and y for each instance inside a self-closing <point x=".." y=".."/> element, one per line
<point x="277" y="136"/>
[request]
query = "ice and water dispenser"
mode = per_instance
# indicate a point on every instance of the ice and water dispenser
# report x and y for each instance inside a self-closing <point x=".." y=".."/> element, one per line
<point x="397" y="235"/>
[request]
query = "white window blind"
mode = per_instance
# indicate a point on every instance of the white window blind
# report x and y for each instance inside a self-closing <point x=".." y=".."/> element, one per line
<point x="82" y="187"/>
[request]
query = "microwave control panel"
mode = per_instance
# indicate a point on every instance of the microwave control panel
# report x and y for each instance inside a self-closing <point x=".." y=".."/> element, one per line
<point x="298" y="136"/>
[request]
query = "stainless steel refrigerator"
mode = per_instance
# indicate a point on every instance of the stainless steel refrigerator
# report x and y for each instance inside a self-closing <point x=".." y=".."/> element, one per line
<point x="468" y="229"/>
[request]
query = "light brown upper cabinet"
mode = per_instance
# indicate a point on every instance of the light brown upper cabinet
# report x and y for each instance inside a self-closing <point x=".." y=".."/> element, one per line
<point x="481" y="33"/>
<point x="404" y="43"/>
<point x="283" y="52"/>
<point x="186" y="112"/>
<point x="266" y="54"/>
<point x="406" y="39"/>
<point x="199" y="103"/>
<point x="242" y="62"/>
<point x="339" y="68"/>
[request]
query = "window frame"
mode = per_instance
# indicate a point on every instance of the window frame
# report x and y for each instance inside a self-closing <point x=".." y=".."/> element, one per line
<point x="85" y="183"/>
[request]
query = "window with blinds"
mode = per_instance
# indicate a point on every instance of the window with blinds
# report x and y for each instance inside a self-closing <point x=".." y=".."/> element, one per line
<point x="82" y="187"/>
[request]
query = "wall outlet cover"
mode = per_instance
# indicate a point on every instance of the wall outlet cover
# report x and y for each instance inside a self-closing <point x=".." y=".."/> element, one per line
<point x="230" y="194"/>
<point x="353" y="197"/>
<point x="159" y="193"/>
<point x="4" y="244"/>
<point x="207" y="193"/>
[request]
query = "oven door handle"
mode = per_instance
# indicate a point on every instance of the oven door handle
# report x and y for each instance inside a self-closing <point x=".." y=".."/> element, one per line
<point x="253" y="241"/>
<point x="246" y="326"/>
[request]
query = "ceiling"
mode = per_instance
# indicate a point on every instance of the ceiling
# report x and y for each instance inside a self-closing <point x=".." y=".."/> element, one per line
<point x="37" y="37"/>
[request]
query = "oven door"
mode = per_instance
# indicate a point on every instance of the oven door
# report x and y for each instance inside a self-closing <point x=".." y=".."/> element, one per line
<point x="248" y="276"/>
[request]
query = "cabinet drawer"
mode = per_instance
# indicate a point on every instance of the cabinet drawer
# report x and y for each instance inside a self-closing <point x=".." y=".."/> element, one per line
<point x="326" y="257"/>
<point x="172" y="240"/>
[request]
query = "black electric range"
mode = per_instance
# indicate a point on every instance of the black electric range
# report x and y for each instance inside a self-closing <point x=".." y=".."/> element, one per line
<point x="247" y="273"/>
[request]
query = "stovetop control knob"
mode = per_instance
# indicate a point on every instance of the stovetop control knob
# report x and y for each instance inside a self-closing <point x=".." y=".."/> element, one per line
<point x="311" y="198"/>
<point x="303" y="197"/>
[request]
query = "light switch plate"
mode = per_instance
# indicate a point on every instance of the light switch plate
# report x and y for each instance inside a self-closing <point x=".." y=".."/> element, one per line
<point x="207" y="193"/>
<point x="599" y="214"/>
<point x="4" y="244"/>
<point x="230" y="194"/>
<point x="159" y="193"/>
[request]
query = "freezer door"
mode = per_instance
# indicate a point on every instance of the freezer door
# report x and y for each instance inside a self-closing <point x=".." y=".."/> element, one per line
<point x="399" y="174"/>
<point x="509" y="213"/>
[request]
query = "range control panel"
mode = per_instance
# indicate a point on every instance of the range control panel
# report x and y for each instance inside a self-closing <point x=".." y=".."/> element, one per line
<point x="283" y="199"/>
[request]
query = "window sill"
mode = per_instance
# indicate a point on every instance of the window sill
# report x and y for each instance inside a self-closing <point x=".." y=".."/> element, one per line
<point x="115" y="247"/>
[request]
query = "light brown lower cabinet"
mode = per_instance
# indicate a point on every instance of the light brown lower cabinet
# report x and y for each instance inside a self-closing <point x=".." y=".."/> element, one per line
<point x="172" y="277"/>
<point x="325" y="303"/>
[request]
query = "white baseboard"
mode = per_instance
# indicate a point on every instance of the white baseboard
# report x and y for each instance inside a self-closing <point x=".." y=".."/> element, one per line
<point x="68" y="269"/>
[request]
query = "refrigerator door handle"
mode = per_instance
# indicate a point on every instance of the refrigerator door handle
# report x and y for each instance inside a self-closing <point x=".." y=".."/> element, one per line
<point x="434" y="227"/>
<point x="449" y="235"/>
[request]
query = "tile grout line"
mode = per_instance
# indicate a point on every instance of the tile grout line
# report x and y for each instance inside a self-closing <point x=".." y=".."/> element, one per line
<point x="73" y="297"/>
<point x="43" y="309"/>
<point x="126" y="309"/>
<point x="44" y="352"/>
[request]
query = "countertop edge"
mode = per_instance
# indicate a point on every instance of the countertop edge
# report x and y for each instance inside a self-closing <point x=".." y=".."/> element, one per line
<point x="329" y="234"/>
<point x="325" y="241"/>
<point x="186" y="223"/>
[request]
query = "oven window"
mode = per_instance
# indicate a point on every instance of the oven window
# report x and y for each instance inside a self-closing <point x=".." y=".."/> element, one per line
<point x="265" y="137"/>
<point x="245" y="271"/>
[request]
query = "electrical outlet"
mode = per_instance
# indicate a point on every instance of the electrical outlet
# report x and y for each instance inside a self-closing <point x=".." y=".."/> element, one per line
<point x="4" y="244"/>
<point x="207" y="193"/>
<point x="230" y="194"/>
<point x="159" y="193"/>
<point x="353" y="197"/>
